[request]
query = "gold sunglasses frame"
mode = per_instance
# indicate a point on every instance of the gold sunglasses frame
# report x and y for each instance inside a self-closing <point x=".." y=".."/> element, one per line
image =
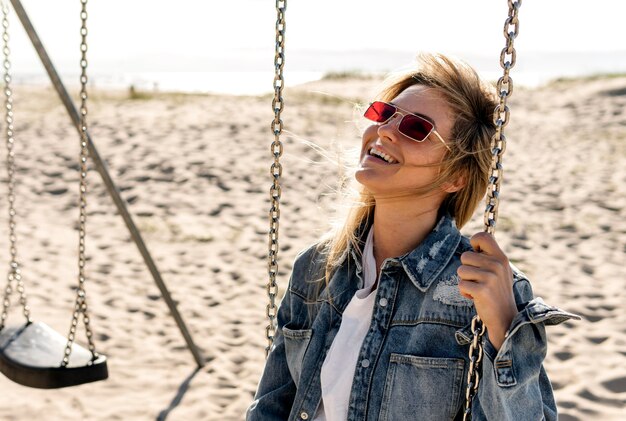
<point x="404" y="113"/>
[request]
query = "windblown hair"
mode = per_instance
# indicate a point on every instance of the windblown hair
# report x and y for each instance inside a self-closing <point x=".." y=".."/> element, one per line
<point x="472" y="103"/>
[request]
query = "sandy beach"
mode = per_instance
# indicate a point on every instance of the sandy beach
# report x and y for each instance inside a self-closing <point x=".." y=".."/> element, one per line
<point x="194" y="170"/>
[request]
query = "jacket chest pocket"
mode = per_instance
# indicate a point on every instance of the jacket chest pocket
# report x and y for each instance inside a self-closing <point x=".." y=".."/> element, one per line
<point x="422" y="388"/>
<point x="296" y="344"/>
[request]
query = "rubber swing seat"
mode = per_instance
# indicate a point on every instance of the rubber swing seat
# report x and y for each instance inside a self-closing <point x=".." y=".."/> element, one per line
<point x="31" y="354"/>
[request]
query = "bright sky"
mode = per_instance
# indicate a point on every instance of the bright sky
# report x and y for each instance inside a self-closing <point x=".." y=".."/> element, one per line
<point x="158" y="35"/>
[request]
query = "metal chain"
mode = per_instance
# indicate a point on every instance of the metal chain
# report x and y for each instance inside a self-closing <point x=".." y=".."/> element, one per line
<point x="475" y="357"/>
<point x="14" y="266"/>
<point x="80" y="305"/>
<point x="498" y="147"/>
<point x="276" y="170"/>
<point x="501" y="116"/>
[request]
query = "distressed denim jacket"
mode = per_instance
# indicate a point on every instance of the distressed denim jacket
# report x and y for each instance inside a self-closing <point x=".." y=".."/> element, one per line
<point x="413" y="361"/>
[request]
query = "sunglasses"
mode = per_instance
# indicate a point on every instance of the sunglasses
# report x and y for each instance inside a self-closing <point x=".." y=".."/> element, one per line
<point x="411" y="125"/>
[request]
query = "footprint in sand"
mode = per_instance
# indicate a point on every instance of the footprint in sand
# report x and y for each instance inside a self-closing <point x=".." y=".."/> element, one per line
<point x="220" y="208"/>
<point x="563" y="356"/>
<point x="615" y="92"/>
<point x="617" y="385"/>
<point x="597" y="340"/>
<point x="567" y="417"/>
<point x="56" y="190"/>
<point x="586" y="394"/>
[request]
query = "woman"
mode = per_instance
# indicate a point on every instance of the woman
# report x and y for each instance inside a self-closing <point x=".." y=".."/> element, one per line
<point x="375" y="323"/>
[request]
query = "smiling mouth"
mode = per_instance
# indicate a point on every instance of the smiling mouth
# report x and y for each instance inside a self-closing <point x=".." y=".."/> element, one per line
<point x="382" y="156"/>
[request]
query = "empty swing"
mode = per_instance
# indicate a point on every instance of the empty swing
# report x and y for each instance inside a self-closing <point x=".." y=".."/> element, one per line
<point x="33" y="354"/>
<point x="501" y="115"/>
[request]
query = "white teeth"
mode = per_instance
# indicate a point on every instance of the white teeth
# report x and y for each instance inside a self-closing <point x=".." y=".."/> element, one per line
<point x="382" y="155"/>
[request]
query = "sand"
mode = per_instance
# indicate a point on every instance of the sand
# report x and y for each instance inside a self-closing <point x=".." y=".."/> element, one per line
<point x="194" y="170"/>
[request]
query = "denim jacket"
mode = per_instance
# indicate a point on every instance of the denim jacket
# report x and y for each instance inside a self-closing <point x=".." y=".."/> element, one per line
<point x="414" y="359"/>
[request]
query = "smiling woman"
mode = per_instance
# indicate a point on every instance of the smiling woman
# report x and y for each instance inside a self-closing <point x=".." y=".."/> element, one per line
<point x="410" y="141"/>
<point x="377" y="318"/>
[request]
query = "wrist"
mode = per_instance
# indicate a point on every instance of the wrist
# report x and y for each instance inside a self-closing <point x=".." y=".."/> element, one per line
<point x="498" y="332"/>
<point x="496" y="337"/>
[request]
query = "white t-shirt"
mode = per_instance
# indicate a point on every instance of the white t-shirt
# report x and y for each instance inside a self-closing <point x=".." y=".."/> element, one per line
<point x="340" y="363"/>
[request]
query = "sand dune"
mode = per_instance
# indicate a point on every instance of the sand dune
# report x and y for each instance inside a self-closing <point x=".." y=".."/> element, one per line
<point x="195" y="173"/>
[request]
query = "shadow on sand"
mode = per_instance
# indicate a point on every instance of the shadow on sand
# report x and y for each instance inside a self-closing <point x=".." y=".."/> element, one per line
<point x="179" y="396"/>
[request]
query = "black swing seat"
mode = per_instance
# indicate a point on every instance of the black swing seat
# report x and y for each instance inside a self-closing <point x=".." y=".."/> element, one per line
<point x="31" y="355"/>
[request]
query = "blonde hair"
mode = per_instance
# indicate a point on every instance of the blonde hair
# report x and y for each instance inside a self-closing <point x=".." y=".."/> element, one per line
<point x="472" y="103"/>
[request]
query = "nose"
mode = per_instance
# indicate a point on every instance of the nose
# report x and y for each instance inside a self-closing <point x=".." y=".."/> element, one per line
<point x="388" y="129"/>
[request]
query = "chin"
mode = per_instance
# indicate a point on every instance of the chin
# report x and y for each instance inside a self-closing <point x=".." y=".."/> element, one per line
<point x="369" y="184"/>
<point x="361" y="177"/>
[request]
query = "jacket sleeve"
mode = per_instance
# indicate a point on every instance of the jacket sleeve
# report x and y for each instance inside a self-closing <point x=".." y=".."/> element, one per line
<point x="276" y="390"/>
<point x="514" y="384"/>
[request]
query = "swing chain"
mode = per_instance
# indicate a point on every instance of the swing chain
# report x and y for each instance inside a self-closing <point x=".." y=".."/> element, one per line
<point x="501" y="116"/>
<point x="504" y="88"/>
<point x="476" y="356"/>
<point x="276" y="170"/>
<point x="14" y="267"/>
<point x="80" y="306"/>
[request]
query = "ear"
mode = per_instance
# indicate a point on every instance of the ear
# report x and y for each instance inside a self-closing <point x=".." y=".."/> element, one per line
<point x="455" y="185"/>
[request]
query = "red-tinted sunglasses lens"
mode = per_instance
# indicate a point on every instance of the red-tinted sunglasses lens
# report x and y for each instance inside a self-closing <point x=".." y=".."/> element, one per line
<point x="415" y="127"/>
<point x="379" y="112"/>
<point x="412" y="126"/>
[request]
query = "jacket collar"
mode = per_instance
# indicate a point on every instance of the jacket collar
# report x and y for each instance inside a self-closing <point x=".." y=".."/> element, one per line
<point x="424" y="263"/>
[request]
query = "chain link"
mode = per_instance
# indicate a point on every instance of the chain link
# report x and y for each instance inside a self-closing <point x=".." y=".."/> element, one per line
<point x="475" y="356"/>
<point x="80" y="306"/>
<point x="501" y="116"/>
<point x="276" y="170"/>
<point x="14" y="274"/>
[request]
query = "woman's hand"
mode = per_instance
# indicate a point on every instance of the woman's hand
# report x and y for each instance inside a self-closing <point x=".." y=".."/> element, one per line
<point x="486" y="277"/>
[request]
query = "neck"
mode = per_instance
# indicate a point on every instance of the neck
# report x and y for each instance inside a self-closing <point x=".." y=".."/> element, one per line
<point x="399" y="228"/>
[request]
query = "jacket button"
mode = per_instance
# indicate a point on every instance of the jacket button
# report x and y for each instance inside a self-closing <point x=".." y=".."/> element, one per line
<point x="365" y="363"/>
<point x="382" y="302"/>
<point x="304" y="415"/>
